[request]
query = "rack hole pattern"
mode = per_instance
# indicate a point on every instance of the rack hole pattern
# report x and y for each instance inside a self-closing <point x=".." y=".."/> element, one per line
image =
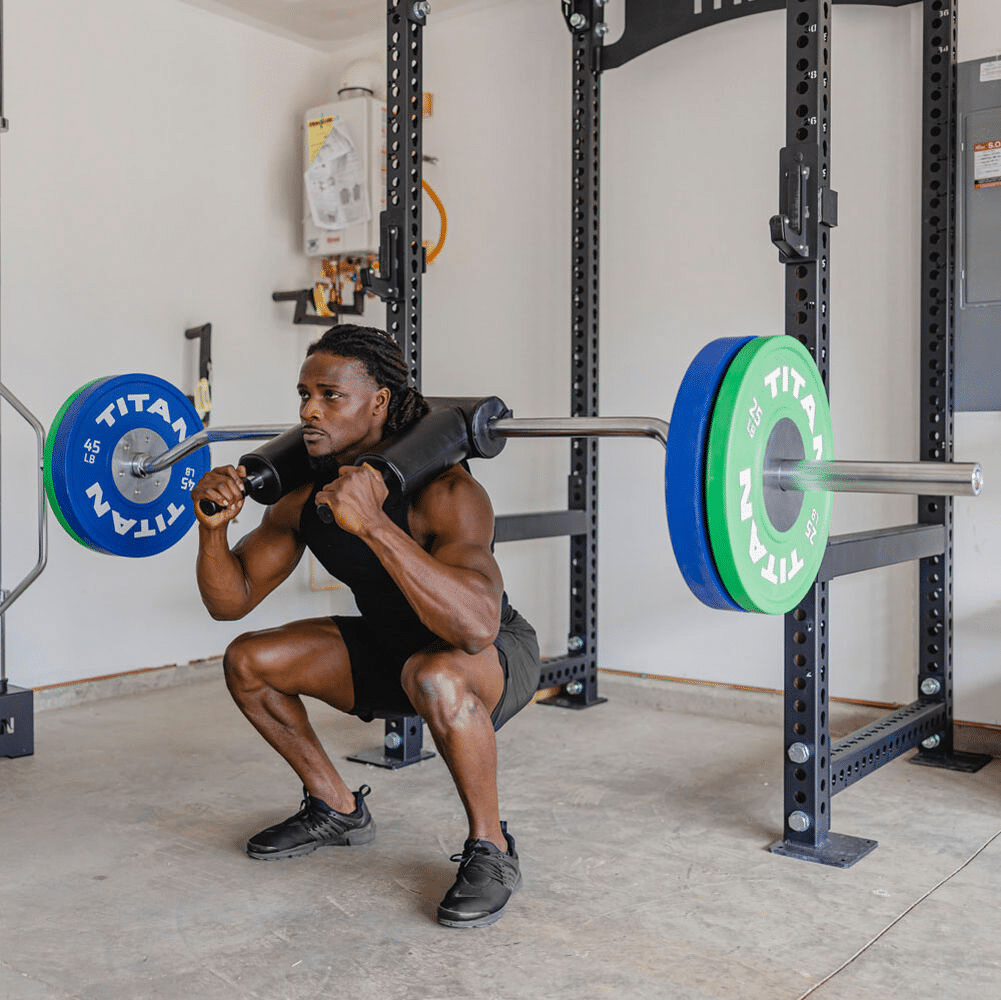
<point x="935" y="574"/>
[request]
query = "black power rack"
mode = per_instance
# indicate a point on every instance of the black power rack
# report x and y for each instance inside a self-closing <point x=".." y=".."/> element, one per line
<point x="814" y="769"/>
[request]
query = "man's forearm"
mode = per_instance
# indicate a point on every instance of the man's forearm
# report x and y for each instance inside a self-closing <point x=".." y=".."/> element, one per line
<point x="220" y="576"/>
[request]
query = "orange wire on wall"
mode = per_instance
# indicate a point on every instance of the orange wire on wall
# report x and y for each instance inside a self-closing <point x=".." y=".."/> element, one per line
<point x="444" y="220"/>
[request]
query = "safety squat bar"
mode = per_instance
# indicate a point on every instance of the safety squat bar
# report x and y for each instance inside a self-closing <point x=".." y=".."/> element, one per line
<point x="916" y="478"/>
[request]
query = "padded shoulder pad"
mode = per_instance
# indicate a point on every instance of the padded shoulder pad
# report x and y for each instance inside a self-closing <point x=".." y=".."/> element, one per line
<point x="456" y="428"/>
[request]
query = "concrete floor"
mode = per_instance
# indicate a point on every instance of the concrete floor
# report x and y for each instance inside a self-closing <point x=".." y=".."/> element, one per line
<point x="643" y="833"/>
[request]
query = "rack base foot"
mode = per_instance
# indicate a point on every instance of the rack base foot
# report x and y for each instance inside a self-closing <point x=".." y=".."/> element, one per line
<point x="382" y="759"/>
<point x="839" y="851"/>
<point x="958" y="760"/>
<point x="568" y="701"/>
<point x="403" y="745"/>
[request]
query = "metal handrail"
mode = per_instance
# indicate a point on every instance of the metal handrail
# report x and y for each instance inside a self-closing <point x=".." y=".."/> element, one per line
<point x="9" y="597"/>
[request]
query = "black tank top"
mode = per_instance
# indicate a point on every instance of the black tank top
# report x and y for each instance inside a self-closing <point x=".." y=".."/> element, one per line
<point x="348" y="559"/>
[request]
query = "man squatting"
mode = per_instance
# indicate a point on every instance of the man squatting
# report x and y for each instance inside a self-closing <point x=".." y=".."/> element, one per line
<point x="435" y="637"/>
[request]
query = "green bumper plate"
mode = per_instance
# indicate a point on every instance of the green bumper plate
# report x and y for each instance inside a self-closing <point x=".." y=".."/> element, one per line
<point x="766" y="567"/>
<point x="50" y="440"/>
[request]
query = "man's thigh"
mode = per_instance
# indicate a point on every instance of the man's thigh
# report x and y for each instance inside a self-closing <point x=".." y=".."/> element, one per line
<point x="307" y="657"/>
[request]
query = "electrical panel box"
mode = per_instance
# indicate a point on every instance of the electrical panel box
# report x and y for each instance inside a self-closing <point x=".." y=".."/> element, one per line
<point x="978" y="236"/>
<point x="344" y="177"/>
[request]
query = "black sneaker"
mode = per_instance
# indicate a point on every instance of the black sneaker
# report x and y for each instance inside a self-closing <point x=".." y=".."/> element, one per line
<point x="486" y="880"/>
<point x="314" y="825"/>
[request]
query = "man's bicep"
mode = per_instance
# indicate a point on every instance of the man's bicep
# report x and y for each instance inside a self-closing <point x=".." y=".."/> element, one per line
<point x="460" y="522"/>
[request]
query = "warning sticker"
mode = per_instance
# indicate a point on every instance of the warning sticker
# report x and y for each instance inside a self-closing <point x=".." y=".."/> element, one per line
<point x="318" y="129"/>
<point x="990" y="70"/>
<point x="987" y="164"/>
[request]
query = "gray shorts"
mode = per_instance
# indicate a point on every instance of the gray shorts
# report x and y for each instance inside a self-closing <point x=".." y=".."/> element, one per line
<point x="376" y="669"/>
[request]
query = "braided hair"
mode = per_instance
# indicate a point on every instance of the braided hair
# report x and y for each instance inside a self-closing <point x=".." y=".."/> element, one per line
<point x="386" y="366"/>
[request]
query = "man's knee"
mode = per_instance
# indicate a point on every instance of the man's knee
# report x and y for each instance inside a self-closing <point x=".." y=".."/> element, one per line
<point x="241" y="663"/>
<point x="436" y="687"/>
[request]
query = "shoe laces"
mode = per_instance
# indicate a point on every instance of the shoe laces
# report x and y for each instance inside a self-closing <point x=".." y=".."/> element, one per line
<point x="305" y="807"/>
<point x="309" y="811"/>
<point x="476" y="857"/>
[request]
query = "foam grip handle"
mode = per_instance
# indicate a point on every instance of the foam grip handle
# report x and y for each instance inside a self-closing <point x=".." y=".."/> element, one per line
<point x="456" y="428"/>
<point x="279" y="466"/>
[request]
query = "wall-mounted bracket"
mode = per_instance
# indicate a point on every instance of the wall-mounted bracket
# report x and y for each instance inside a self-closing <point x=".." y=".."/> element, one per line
<point x="304" y="298"/>
<point x="202" y="397"/>
<point x="803" y="206"/>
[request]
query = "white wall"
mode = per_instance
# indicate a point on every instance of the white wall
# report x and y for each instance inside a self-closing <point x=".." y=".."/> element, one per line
<point x="149" y="185"/>
<point x="690" y="136"/>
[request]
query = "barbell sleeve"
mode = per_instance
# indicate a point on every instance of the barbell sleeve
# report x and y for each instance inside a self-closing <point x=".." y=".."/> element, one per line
<point x="962" y="479"/>
<point x="146" y="465"/>
<point x="652" y="427"/>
